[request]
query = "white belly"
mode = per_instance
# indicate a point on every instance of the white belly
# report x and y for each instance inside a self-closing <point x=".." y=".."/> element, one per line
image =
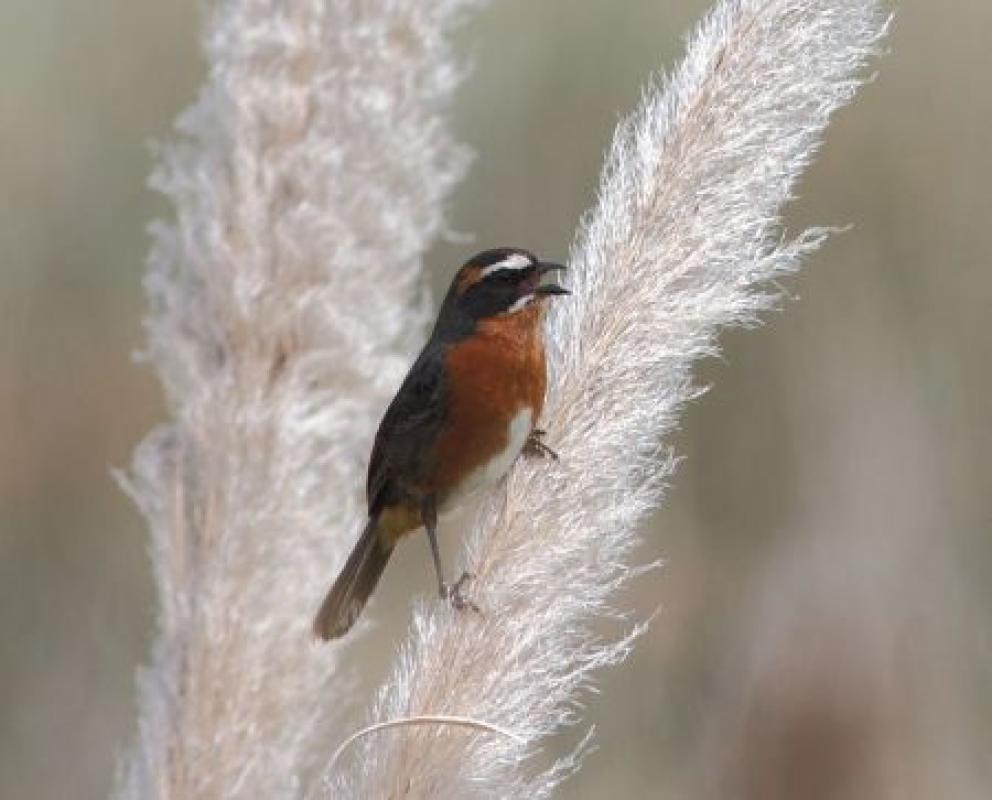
<point x="489" y="473"/>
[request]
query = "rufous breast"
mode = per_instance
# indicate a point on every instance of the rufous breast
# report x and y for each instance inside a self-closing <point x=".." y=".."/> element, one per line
<point x="497" y="380"/>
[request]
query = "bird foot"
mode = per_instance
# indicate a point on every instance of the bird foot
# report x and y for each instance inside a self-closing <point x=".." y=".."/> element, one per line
<point x="535" y="447"/>
<point x="452" y="592"/>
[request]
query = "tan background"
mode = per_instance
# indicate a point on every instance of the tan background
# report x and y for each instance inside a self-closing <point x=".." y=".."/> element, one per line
<point x="825" y="626"/>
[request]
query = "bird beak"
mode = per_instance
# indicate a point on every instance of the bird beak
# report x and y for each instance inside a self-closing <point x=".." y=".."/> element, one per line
<point x="548" y="289"/>
<point x="544" y="267"/>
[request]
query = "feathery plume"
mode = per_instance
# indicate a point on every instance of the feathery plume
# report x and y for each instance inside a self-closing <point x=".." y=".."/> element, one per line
<point x="685" y="239"/>
<point x="307" y="180"/>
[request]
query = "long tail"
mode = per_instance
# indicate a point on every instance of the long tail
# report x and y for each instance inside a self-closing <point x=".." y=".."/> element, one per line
<point x="351" y="590"/>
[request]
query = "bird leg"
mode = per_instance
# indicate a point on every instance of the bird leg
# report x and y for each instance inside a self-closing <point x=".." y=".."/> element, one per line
<point x="428" y="513"/>
<point x="535" y="447"/>
<point x="450" y="592"/>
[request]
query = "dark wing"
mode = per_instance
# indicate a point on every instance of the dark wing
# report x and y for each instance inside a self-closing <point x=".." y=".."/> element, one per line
<point x="403" y="453"/>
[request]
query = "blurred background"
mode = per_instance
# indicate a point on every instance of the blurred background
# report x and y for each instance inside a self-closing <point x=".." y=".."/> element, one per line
<point x="824" y="628"/>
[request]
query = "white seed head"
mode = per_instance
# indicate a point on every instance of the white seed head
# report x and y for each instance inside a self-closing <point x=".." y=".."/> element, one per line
<point x="685" y="239"/>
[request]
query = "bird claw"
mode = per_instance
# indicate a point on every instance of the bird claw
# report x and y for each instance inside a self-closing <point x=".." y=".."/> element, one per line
<point x="535" y="447"/>
<point x="452" y="592"/>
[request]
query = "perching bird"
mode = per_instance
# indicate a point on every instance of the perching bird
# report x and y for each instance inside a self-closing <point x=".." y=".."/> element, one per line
<point x="466" y="410"/>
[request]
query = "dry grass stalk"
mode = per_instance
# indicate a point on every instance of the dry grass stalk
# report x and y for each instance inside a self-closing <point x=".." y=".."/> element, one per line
<point x="307" y="180"/>
<point x="685" y="239"/>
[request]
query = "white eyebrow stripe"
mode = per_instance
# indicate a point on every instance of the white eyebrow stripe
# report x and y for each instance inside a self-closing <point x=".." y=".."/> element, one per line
<point x="520" y="303"/>
<point x="515" y="261"/>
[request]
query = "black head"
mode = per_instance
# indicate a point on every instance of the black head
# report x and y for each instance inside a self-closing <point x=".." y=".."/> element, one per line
<point x="503" y="281"/>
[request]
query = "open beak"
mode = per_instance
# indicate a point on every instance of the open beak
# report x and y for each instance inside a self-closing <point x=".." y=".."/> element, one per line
<point x="548" y="289"/>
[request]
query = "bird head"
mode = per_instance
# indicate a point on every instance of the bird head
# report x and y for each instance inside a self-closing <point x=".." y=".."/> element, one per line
<point x="500" y="282"/>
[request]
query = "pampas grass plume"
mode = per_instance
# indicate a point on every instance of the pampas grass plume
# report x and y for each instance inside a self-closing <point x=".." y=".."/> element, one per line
<point x="685" y="239"/>
<point x="307" y="180"/>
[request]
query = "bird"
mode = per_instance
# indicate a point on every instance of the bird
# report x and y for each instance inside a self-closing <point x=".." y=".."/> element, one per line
<point x="468" y="407"/>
